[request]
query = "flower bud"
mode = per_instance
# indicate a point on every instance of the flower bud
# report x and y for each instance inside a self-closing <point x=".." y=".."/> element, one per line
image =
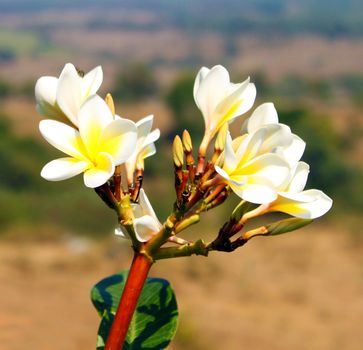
<point x="221" y="138"/>
<point x="187" y="141"/>
<point x="178" y="152"/>
<point x="110" y="103"/>
<point x="242" y="208"/>
<point x="286" y="225"/>
<point x="277" y="228"/>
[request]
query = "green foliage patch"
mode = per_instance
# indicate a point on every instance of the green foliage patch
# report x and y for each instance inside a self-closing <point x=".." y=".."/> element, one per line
<point x="155" y="320"/>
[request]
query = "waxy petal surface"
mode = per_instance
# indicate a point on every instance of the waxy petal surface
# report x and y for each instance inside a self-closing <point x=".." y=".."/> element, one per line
<point x="63" y="168"/>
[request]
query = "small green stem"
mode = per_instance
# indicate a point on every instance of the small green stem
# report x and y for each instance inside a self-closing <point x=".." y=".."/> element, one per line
<point x="196" y="248"/>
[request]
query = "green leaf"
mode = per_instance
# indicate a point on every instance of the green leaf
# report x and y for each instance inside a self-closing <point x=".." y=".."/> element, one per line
<point x="155" y="320"/>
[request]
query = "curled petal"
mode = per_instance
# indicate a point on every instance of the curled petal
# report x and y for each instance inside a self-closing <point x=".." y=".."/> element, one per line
<point x="146" y="152"/>
<point x="222" y="173"/>
<point x="152" y="137"/>
<point x="236" y="104"/>
<point x="200" y="76"/>
<point x="91" y="82"/>
<point x="265" y="140"/>
<point x="212" y="89"/>
<point x="144" y="126"/>
<point x="230" y="160"/>
<point x="103" y="169"/>
<point x="69" y="97"/>
<point x="145" y="226"/>
<point x="45" y="95"/>
<point x="299" y="178"/>
<point x="293" y="152"/>
<point x="122" y="232"/>
<point x="308" y="204"/>
<point x="235" y="93"/>
<point x="147" y="207"/>
<point x="63" y="168"/>
<point x="263" y="115"/>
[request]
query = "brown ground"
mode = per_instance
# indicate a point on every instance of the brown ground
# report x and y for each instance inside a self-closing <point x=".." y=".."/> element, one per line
<point x="298" y="291"/>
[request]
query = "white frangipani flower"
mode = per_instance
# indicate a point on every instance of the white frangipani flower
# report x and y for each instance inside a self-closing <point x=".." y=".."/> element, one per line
<point x="144" y="146"/>
<point x="219" y="100"/>
<point x="63" y="97"/>
<point x="100" y="144"/>
<point x="250" y="170"/>
<point x="293" y="200"/>
<point x="266" y="114"/>
<point x="145" y="223"/>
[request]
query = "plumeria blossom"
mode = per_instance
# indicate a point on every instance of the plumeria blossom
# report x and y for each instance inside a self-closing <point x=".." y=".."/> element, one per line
<point x="308" y="204"/>
<point x="145" y="223"/>
<point x="266" y="114"/>
<point x="63" y="97"/>
<point x="144" y="146"/>
<point x="219" y="100"/>
<point x="251" y="171"/>
<point x="101" y="143"/>
<point x="291" y="198"/>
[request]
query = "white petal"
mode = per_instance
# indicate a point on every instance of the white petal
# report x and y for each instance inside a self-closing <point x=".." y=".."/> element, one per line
<point x="146" y="152"/>
<point x="212" y="89"/>
<point x="238" y="102"/>
<point x="309" y="204"/>
<point x="45" y="95"/>
<point x="144" y="227"/>
<point x="299" y="178"/>
<point x="91" y="82"/>
<point x="69" y="97"/>
<point x="122" y="232"/>
<point x="152" y="137"/>
<point x="93" y="118"/>
<point x="144" y="126"/>
<point x="222" y="172"/>
<point x="277" y="135"/>
<point x="199" y="78"/>
<point x="63" y="137"/>
<point x="248" y="99"/>
<point x="63" y="168"/>
<point x="101" y="172"/>
<point x="267" y="139"/>
<point x="146" y="206"/>
<point x="119" y="139"/>
<point x="294" y="151"/>
<point x="269" y="166"/>
<point x="256" y="190"/>
<point x="230" y="160"/>
<point x="262" y="115"/>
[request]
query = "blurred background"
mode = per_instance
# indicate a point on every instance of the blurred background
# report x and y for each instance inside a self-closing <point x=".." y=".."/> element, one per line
<point x="298" y="291"/>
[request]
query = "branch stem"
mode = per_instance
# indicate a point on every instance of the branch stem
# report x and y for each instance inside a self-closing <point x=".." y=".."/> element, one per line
<point x="135" y="281"/>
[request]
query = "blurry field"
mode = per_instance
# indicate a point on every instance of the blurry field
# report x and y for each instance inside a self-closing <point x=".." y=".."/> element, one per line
<point x="302" y="291"/>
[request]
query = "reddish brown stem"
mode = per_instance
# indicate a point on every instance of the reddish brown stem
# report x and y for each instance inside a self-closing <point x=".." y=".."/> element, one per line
<point x="138" y="272"/>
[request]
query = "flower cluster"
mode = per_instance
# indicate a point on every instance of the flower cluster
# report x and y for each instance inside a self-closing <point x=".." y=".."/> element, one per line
<point x="97" y="140"/>
<point x="262" y="165"/>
